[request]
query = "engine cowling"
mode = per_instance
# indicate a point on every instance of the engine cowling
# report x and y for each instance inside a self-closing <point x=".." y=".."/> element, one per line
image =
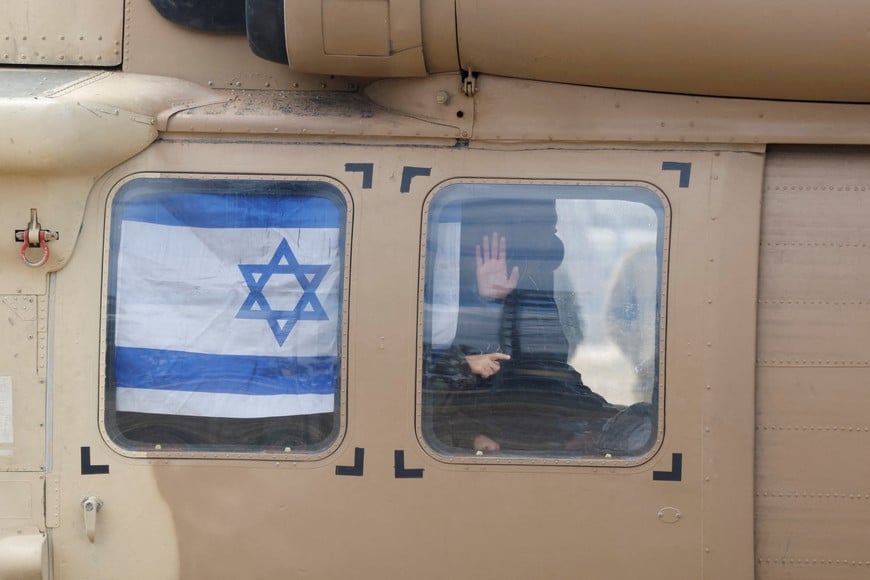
<point x="799" y="50"/>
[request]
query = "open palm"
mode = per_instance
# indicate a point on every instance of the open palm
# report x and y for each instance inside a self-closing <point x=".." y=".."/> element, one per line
<point x="493" y="281"/>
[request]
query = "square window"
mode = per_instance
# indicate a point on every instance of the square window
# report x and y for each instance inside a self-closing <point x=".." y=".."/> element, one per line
<point x="224" y="315"/>
<point x="542" y="321"/>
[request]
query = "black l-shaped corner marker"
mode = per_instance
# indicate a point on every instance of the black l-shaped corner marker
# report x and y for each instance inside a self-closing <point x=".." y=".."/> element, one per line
<point x="357" y="467"/>
<point x="685" y="170"/>
<point x="367" y="169"/>
<point x="409" y="173"/>
<point x="676" y="472"/>
<point x="401" y="472"/>
<point x="87" y="468"/>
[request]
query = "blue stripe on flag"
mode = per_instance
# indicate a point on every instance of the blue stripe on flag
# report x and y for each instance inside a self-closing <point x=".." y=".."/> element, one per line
<point x="218" y="210"/>
<point x="250" y="375"/>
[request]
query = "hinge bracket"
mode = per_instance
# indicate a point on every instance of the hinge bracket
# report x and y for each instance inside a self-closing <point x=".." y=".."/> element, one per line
<point x="469" y="82"/>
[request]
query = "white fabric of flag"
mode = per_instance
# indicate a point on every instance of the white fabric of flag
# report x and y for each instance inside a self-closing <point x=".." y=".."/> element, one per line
<point x="226" y="305"/>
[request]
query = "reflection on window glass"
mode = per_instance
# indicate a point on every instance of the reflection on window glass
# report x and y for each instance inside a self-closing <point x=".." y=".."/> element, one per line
<point x="542" y="307"/>
<point x="224" y="315"/>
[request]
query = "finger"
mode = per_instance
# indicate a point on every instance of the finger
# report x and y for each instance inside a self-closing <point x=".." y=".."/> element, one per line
<point x="499" y="356"/>
<point x="502" y="248"/>
<point x="478" y="255"/>
<point x="486" y="252"/>
<point x="494" y="248"/>
<point x="514" y="278"/>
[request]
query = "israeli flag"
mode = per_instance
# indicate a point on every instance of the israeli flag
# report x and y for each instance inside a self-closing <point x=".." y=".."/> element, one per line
<point x="226" y="305"/>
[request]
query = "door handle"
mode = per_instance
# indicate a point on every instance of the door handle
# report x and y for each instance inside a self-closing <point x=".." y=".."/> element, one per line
<point x="90" y="506"/>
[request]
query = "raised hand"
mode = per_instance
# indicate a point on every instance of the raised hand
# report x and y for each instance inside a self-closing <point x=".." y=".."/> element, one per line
<point x="493" y="281"/>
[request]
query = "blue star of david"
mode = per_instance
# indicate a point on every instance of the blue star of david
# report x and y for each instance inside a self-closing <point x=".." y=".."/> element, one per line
<point x="256" y="306"/>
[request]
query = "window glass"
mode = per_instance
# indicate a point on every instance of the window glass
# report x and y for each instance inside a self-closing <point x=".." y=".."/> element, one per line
<point x="541" y="325"/>
<point x="224" y="317"/>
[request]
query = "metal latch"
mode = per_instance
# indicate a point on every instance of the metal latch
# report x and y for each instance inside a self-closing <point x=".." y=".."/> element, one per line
<point x="91" y="505"/>
<point x="469" y="82"/>
<point x="35" y="237"/>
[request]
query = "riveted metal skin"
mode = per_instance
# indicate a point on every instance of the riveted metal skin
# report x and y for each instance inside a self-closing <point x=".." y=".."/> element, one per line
<point x="757" y="149"/>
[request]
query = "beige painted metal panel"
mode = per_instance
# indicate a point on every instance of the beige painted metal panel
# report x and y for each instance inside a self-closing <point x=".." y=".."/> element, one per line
<point x="557" y="112"/>
<point x="24" y="556"/>
<point x="819" y="268"/>
<point x="813" y="501"/>
<point x="23" y="549"/>
<point x="826" y="333"/>
<point x="807" y="435"/>
<point x="21" y="502"/>
<point x="68" y="33"/>
<point x="231" y="518"/>
<point x="810" y="397"/>
<point x="409" y="109"/>
<point x="538" y="112"/>
<point x="439" y="36"/>
<point x="133" y="512"/>
<point x="394" y="49"/>
<point x="796" y="50"/>
<point x="730" y="238"/>
<point x="22" y="381"/>
<point x="60" y="203"/>
<point x="819" y="473"/>
<point x="835" y="201"/>
<point x="813" y="517"/>
<point x="61" y="134"/>
<point x="353" y="28"/>
<point x="144" y="99"/>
